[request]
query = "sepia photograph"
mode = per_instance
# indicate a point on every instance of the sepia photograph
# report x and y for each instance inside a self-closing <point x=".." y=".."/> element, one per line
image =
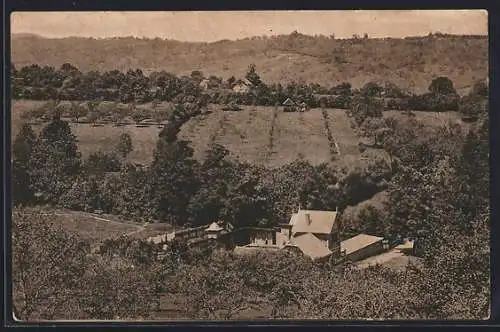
<point x="250" y="165"/>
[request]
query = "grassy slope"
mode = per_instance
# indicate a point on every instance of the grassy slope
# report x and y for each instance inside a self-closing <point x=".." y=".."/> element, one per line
<point x="245" y="134"/>
<point x="410" y="63"/>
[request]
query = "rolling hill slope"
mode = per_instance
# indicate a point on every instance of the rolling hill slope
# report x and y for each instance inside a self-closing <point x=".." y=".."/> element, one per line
<point x="410" y="63"/>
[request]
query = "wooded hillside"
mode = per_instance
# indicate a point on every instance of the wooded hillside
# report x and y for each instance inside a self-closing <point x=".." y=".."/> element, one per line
<point x="410" y="63"/>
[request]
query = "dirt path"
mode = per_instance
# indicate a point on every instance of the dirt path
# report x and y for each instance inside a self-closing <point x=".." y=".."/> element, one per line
<point x="139" y="228"/>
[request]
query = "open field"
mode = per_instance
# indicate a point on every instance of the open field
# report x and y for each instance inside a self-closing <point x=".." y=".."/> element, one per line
<point x="94" y="228"/>
<point x="300" y="133"/>
<point x="245" y="133"/>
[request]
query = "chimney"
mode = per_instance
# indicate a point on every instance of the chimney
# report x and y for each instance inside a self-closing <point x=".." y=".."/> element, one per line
<point x="308" y="218"/>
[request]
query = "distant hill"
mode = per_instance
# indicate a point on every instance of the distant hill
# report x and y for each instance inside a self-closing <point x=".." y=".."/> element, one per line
<point x="410" y="62"/>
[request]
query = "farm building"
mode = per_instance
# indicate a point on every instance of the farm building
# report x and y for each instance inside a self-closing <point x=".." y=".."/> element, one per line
<point x="316" y="233"/>
<point x="217" y="229"/>
<point x="293" y="106"/>
<point x="255" y="236"/>
<point x="310" y="246"/>
<point x="309" y="232"/>
<point x="361" y="246"/>
<point x="242" y="86"/>
<point x="204" y="84"/>
<point x="263" y="236"/>
<point x="290" y="105"/>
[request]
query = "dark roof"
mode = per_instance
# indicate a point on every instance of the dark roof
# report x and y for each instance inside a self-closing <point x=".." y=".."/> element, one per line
<point x="289" y="102"/>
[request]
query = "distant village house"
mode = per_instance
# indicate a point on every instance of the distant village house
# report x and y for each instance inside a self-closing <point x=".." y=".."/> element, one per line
<point x="242" y="86"/>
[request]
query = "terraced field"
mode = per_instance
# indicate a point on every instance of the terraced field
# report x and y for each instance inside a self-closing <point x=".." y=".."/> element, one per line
<point x="247" y="134"/>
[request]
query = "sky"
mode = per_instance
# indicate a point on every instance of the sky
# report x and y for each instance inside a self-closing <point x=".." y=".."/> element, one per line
<point x="213" y="26"/>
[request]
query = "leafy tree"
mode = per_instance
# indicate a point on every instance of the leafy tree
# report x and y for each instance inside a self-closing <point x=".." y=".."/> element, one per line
<point x="124" y="145"/>
<point x="120" y="289"/>
<point x="364" y="107"/>
<point x="472" y="106"/>
<point x="93" y="117"/>
<point x="371" y="89"/>
<point x="77" y="111"/>
<point x="50" y="265"/>
<point x="215" y="289"/>
<point x="100" y="162"/>
<point x="138" y="115"/>
<point x="120" y="114"/>
<point x="442" y="86"/>
<point x="68" y="68"/>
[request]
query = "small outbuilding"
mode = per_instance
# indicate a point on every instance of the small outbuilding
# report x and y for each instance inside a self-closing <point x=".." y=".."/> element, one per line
<point x="361" y="246"/>
<point x="289" y="105"/>
<point x="214" y="230"/>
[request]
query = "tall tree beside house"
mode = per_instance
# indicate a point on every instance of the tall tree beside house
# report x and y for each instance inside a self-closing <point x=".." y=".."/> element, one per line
<point x="214" y="173"/>
<point x="246" y="201"/>
<point x="172" y="176"/>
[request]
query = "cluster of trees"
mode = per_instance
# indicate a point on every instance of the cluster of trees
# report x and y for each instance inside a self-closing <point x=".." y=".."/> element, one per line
<point x="50" y="265"/>
<point x="95" y="112"/>
<point x="68" y="83"/>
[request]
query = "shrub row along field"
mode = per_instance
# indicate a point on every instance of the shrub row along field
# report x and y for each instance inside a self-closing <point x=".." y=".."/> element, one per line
<point x="244" y="133"/>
